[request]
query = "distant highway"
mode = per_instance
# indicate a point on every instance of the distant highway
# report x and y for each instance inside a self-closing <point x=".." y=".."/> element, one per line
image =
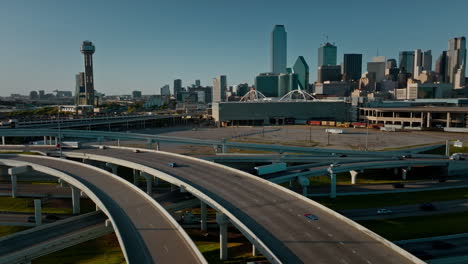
<point x="444" y="207"/>
<point x="148" y="236"/>
<point x="275" y="216"/>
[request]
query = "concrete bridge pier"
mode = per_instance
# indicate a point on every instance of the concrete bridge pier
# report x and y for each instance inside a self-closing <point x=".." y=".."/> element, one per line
<point x="304" y="182"/>
<point x="3" y="140"/>
<point x="156" y="181"/>
<point x="136" y="175"/>
<point x="75" y="199"/>
<point x="222" y="221"/>
<point x="354" y="175"/>
<point x="332" y="185"/>
<point x="149" y="143"/>
<point x="149" y="186"/>
<point x="255" y="251"/>
<point x="158" y="147"/>
<point x="203" y="223"/>
<point x="113" y="167"/>
<point x="13" y="172"/>
<point x="38" y="211"/>
<point x="45" y="140"/>
<point x="100" y="140"/>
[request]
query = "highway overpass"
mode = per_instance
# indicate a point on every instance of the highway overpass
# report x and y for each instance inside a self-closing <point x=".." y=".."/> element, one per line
<point x="48" y="238"/>
<point x="273" y="218"/>
<point x="146" y="232"/>
<point x="153" y="141"/>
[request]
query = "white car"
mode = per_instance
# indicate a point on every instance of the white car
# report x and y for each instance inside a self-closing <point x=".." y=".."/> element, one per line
<point x="384" y="211"/>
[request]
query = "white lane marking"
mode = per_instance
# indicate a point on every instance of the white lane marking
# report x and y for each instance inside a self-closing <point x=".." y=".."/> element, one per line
<point x="341" y="243"/>
<point x="368" y="261"/>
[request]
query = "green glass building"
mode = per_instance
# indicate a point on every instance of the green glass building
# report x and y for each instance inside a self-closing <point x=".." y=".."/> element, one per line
<point x="301" y="69"/>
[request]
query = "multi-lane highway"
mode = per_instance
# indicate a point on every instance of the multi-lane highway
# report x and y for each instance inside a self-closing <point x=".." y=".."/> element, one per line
<point x="275" y="215"/>
<point x="147" y="234"/>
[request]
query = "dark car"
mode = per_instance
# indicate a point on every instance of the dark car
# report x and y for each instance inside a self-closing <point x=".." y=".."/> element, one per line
<point x="407" y="156"/>
<point x="173" y="164"/>
<point x="343" y="156"/>
<point x="427" y="207"/>
<point x="398" y="185"/>
<point x="52" y="217"/>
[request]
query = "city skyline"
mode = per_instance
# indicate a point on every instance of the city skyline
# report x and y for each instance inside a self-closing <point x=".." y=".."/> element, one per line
<point x="131" y="59"/>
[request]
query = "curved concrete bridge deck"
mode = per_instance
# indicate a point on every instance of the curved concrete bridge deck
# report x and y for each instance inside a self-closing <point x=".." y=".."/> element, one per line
<point x="273" y="213"/>
<point x="146" y="232"/>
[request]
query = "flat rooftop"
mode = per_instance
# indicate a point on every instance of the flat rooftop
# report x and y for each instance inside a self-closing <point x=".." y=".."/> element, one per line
<point x="418" y="109"/>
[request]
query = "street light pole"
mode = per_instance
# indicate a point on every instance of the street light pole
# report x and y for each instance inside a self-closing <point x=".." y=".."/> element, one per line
<point x="59" y="132"/>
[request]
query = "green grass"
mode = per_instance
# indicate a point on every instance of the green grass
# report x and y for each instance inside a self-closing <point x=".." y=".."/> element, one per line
<point x="210" y="251"/>
<point x="419" y="226"/>
<point x="8" y="230"/>
<point x="411" y="146"/>
<point x="441" y="150"/>
<point x="105" y="249"/>
<point x="19" y="152"/>
<point x="26" y="205"/>
<point x="396" y="199"/>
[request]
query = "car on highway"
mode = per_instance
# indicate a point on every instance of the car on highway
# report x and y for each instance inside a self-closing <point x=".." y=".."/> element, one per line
<point x="333" y="165"/>
<point x="384" y="211"/>
<point x="407" y="156"/>
<point x="459" y="156"/>
<point x="173" y="164"/>
<point x="398" y="185"/>
<point x="52" y="217"/>
<point x="136" y="151"/>
<point x="427" y="207"/>
<point x="311" y="217"/>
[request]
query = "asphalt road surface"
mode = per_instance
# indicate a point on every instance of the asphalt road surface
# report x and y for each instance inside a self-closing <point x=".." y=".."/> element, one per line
<point x="149" y="237"/>
<point x="277" y="217"/>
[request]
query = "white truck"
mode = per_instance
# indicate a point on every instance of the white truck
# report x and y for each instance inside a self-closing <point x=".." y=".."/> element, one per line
<point x="70" y="145"/>
<point x="266" y="169"/>
<point x="459" y="156"/>
<point x="334" y="131"/>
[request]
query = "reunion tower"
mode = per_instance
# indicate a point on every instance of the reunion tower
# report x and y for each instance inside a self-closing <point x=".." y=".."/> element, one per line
<point x="88" y="49"/>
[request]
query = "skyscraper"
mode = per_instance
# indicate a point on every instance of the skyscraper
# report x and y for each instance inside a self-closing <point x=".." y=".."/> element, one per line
<point x="278" y="49"/>
<point x="407" y="61"/>
<point x="165" y="90"/>
<point x="178" y="89"/>
<point x="327" y="54"/>
<point x="352" y="67"/>
<point x="456" y="59"/>
<point x="302" y="70"/>
<point x="219" y="89"/>
<point x="376" y="68"/>
<point x="330" y="73"/>
<point x="87" y="98"/>
<point x="441" y="67"/>
<point x="422" y="62"/>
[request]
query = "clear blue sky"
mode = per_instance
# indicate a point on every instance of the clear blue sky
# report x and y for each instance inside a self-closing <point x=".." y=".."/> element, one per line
<point x="142" y="45"/>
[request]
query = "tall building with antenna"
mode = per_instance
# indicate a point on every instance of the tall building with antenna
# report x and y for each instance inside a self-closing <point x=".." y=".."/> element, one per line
<point x="85" y="81"/>
<point x="327" y="54"/>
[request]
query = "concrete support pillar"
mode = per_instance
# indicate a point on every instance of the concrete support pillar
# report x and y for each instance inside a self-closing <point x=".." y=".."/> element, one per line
<point x="403" y="173"/>
<point x="149" y="144"/>
<point x="333" y="185"/>
<point x="203" y="223"/>
<point x="149" y="186"/>
<point x="38" y="211"/>
<point x="290" y="183"/>
<point x="353" y="176"/>
<point x="45" y="140"/>
<point x="156" y="181"/>
<point x="75" y="199"/>
<point x="304" y="182"/>
<point x="56" y="140"/>
<point x="50" y="140"/>
<point x="136" y="175"/>
<point x="255" y="251"/>
<point x="113" y="167"/>
<point x="14" y="187"/>
<point x="3" y="140"/>
<point x="449" y="119"/>
<point x="157" y="146"/>
<point x="100" y="139"/>
<point x="222" y="221"/>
